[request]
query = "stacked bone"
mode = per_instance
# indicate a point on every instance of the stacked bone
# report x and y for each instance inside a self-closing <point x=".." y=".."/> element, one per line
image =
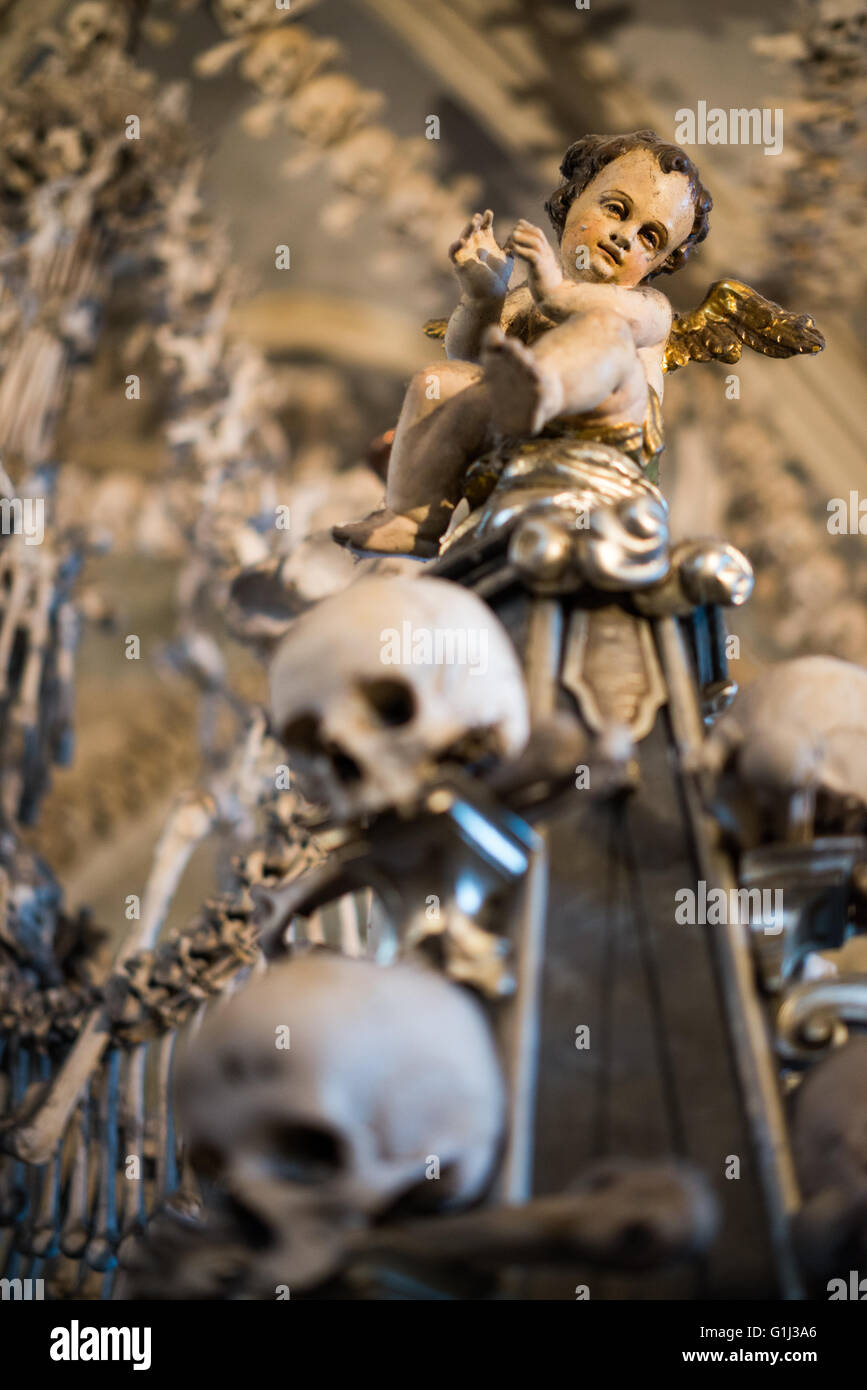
<point x="335" y="117"/>
<point x="819" y="202"/>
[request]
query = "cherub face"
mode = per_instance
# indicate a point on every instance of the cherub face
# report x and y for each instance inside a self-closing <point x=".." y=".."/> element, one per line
<point x="630" y="217"/>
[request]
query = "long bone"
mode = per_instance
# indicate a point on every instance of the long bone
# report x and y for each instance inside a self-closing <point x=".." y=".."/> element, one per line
<point x="43" y="1239"/>
<point x="38" y="1235"/>
<point x="166" y="1151"/>
<point x="133" y="1204"/>
<point x="622" y="1216"/>
<point x="73" y="1235"/>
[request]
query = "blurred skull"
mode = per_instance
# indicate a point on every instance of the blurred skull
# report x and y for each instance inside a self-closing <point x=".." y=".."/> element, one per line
<point x="63" y="152"/>
<point x="829" y="1144"/>
<point x="377" y="686"/>
<point x="801" y="727"/>
<point x="390" y="1075"/>
<point x="237" y="16"/>
<point x="96" y="23"/>
<point x="331" y="107"/>
<point x="363" y="162"/>
<point x="280" y="61"/>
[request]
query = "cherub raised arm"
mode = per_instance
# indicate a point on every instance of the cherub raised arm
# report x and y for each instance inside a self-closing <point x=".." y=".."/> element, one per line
<point x="582" y="345"/>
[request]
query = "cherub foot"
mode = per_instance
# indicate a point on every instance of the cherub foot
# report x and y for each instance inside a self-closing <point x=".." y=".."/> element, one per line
<point x="389" y="532"/>
<point x="524" y="397"/>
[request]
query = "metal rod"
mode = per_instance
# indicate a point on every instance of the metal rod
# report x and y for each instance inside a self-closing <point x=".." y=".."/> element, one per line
<point x="102" y="1246"/>
<point x="520" y="1032"/>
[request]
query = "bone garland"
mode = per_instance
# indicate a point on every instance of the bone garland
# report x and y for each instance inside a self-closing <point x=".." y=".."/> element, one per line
<point x="819" y="194"/>
<point x="223" y="420"/>
<point x="159" y="989"/>
<point x="335" y="115"/>
<point x="71" y="190"/>
<point x="810" y="587"/>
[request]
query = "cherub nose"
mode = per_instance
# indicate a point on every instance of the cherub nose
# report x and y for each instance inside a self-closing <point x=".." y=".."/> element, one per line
<point x="621" y="237"/>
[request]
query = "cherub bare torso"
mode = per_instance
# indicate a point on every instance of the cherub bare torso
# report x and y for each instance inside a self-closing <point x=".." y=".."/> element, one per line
<point x="579" y="340"/>
<point x="582" y="343"/>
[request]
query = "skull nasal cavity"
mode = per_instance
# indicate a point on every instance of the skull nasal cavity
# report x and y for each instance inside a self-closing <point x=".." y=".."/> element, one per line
<point x="303" y="1153"/>
<point x="393" y="702"/>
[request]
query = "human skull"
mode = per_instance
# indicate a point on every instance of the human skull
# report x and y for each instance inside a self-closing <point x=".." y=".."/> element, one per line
<point x="800" y="727"/>
<point x="63" y="152"/>
<point x="838" y="35"/>
<point x="280" y="60"/>
<point x="19" y="161"/>
<point x="377" y="686"/>
<point x="829" y="1144"/>
<point x="390" y="1074"/>
<point x="413" y="201"/>
<point x="363" y="162"/>
<point x="95" y="22"/>
<point x="237" y="16"/>
<point x="331" y="107"/>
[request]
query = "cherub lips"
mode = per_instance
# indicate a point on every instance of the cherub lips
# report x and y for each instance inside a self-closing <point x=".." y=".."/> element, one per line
<point x="609" y="252"/>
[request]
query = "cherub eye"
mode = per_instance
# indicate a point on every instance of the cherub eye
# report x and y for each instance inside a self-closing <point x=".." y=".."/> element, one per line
<point x="618" y="208"/>
<point x="650" y="236"/>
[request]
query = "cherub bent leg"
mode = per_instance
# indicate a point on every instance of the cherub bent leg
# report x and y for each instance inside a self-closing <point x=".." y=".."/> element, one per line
<point x="443" y="425"/>
<point x="572" y="370"/>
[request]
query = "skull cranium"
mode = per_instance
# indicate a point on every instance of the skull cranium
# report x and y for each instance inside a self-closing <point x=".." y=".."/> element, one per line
<point x="95" y="22"/>
<point x="829" y="1141"/>
<point x="377" y="686"/>
<point x="363" y="163"/>
<point x="801" y="727"/>
<point x="387" y="1070"/>
<point x="331" y="107"/>
<point x="237" y="16"/>
<point x="279" y="61"/>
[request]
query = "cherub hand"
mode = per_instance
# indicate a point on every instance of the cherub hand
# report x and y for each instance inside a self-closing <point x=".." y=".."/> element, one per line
<point x="532" y="245"/>
<point x="482" y="266"/>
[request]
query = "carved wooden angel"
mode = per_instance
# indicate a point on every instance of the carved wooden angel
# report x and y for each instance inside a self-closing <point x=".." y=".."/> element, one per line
<point x="582" y="347"/>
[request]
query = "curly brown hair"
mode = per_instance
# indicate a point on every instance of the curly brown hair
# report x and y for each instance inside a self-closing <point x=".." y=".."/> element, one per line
<point x="583" y="160"/>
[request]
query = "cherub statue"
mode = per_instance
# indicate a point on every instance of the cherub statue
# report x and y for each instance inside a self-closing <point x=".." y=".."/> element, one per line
<point x="582" y="346"/>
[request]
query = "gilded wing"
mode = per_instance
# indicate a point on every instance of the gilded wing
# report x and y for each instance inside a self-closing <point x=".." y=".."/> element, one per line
<point x="436" y="328"/>
<point x="731" y="315"/>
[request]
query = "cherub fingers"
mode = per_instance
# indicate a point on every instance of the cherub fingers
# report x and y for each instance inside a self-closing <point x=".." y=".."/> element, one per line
<point x="531" y="245"/>
<point x="482" y="266"/>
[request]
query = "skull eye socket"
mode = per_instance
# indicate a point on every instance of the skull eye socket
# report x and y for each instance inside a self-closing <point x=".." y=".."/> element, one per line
<point x="207" y="1161"/>
<point x="346" y="768"/>
<point x="392" y="702"/>
<point x="303" y="1154"/>
<point x="302" y="734"/>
